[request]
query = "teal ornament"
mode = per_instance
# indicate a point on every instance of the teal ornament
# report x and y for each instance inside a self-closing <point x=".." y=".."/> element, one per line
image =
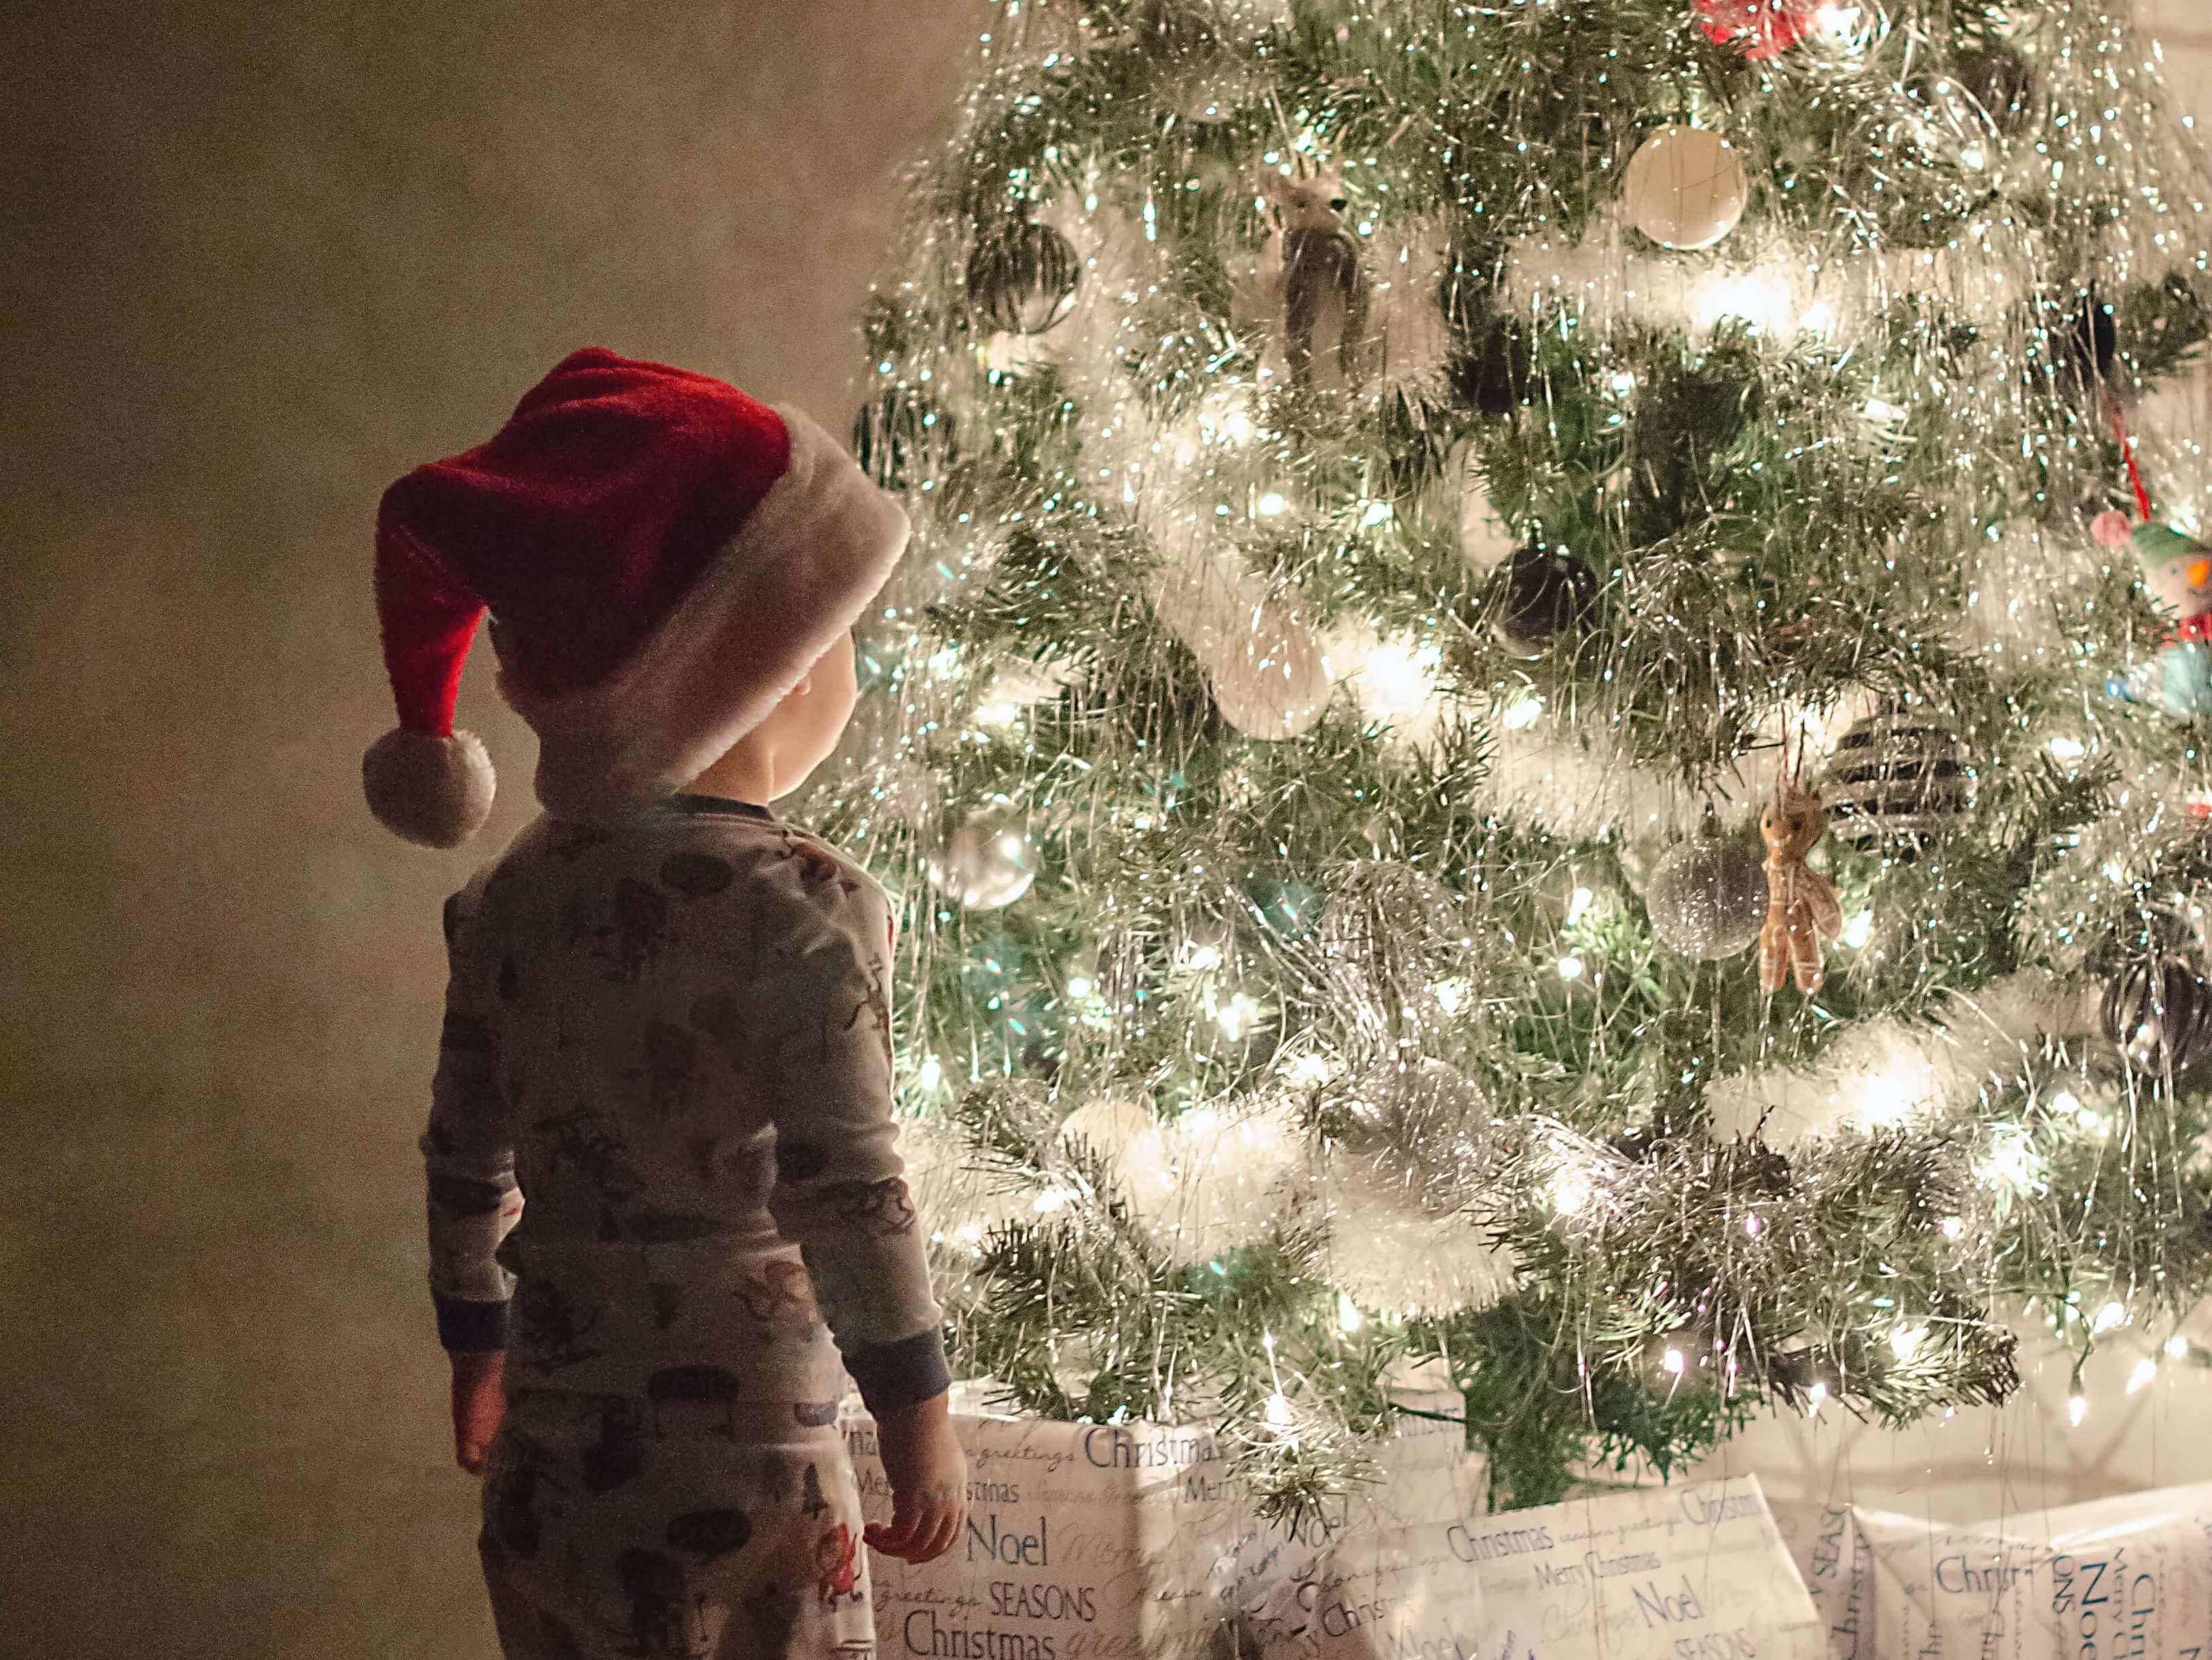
<point x="2184" y="677"/>
<point x="1287" y="906"/>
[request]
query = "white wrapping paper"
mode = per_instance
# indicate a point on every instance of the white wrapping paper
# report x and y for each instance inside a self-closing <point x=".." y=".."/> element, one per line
<point x="1682" y="1573"/>
<point x="1095" y="1541"/>
<point x="2128" y="1577"/>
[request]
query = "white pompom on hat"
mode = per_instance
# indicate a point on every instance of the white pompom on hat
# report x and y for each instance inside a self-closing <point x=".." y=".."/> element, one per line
<point x="665" y="559"/>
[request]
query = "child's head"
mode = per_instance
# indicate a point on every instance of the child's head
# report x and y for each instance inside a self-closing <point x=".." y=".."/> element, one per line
<point x="663" y="552"/>
<point x="796" y="736"/>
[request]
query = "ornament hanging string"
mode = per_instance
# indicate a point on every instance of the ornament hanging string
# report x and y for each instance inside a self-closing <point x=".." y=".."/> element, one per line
<point x="2128" y="453"/>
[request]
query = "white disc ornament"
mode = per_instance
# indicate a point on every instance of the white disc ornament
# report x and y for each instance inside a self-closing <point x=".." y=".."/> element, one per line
<point x="1685" y="188"/>
<point x="987" y="863"/>
<point x="1707" y="898"/>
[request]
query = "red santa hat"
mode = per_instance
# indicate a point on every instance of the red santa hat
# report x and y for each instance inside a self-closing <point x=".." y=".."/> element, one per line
<point x="663" y="558"/>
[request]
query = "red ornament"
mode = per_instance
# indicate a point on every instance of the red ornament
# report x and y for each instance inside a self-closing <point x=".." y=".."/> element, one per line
<point x="1763" y="28"/>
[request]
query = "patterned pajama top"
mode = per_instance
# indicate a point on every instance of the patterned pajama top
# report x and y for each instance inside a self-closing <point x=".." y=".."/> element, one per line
<point x="673" y="1036"/>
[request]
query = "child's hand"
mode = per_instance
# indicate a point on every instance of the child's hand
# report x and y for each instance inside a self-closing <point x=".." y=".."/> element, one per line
<point x="928" y="1474"/>
<point x="479" y="1402"/>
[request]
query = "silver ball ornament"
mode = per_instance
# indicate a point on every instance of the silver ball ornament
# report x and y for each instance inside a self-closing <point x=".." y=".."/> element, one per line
<point x="987" y="862"/>
<point x="1707" y="898"/>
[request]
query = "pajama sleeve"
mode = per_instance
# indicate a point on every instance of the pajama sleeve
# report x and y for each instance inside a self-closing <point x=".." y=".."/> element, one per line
<point x="468" y="1150"/>
<point x="819" y="997"/>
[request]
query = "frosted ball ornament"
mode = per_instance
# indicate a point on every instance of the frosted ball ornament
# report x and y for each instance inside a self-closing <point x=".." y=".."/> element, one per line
<point x="1685" y="188"/>
<point x="1707" y="898"/>
<point x="1022" y="279"/>
<point x="987" y="862"/>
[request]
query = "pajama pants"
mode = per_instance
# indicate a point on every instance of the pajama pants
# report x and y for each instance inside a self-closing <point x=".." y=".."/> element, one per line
<point x="686" y="1530"/>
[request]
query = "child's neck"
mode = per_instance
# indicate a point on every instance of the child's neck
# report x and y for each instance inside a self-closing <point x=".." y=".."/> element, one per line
<point x="746" y="772"/>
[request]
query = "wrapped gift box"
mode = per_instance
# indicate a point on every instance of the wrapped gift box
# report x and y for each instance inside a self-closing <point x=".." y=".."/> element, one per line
<point x="2128" y="1575"/>
<point x="1683" y="1574"/>
<point x="1102" y="1542"/>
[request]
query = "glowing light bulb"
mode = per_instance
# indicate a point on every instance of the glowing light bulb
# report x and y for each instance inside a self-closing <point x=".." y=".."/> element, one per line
<point x="1570" y="1191"/>
<point x="1199" y="956"/>
<point x="2077" y="1408"/>
<point x="2177" y="1348"/>
<point x="1905" y="1342"/>
<point x="1236" y="1018"/>
<point x="1952" y="1227"/>
<point x="1819" y="318"/>
<point x="1858" y="930"/>
<point x="2068" y="749"/>
<point x="1571" y="968"/>
<point x="1758" y="300"/>
<point x="1879" y="409"/>
<point x="1270" y="506"/>
<point x="1378" y="512"/>
<point x="1672" y="1363"/>
<point x="1815" y="1398"/>
<point x="997" y="713"/>
<point x="1451" y="995"/>
<point x="1312" y="1069"/>
<point x="1577" y="903"/>
<point x="2066" y="1103"/>
<point x="1622" y="382"/>
<point x="2011" y="1163"/>
<point x="1279" y="1412"/>
<point x="2145" y="1375"/>
<point x="1398" y="681"/>
<point x="1522" y="713"/>
<point x="1052" y="1198"/>
<point x="1348" y="1316"/>
<point x="1079" y="987"/>
<point x="930" y="1073"/>
<point x="2111" y="1316"/>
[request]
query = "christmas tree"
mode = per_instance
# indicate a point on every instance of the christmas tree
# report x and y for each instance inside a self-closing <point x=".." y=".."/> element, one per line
<point x="1544" y="717"/>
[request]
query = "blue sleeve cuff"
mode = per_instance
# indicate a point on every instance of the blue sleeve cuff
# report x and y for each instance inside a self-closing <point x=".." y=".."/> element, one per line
<point x="470" y="1327"/>
<point x="893" y="1376"/>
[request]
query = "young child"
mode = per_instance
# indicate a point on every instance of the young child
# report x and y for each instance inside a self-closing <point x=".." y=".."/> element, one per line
<point x="668" y="1026"/>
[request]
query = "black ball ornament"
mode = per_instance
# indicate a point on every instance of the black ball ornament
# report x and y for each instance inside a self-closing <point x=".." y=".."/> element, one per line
<point x="2000" y="83"/>
<point x="1540" y="596"/>
<point x="900" y="436"/>
<point x="2156" y="1011"/>
<point x="1707" y="898"/>
<point x="1022" y="278"/>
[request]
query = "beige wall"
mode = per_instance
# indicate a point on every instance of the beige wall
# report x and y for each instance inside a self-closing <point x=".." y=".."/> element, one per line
<point x="257" y="261"/>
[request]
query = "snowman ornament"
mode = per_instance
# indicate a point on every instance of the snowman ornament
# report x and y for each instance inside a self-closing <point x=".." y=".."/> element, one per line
<point x="2177" y="575"/>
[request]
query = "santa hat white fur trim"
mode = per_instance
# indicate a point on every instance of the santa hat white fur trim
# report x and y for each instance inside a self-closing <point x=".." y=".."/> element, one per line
<point x="433" y="791"/>
<point x="796" y="575"/>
